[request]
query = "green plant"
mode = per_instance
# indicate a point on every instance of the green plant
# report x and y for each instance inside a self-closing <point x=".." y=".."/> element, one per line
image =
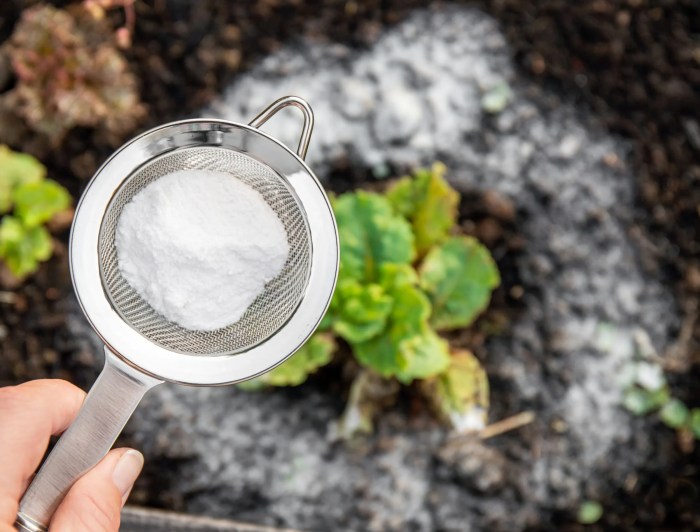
<point x="589" y="512"/>
<point x="69" y="73"/>
<point x="496" y="98"/>
<point x="27" y="202"/>
<point x="649" y="393"/>
<point x="312" y="355"/>
<point x="406" y="276"/>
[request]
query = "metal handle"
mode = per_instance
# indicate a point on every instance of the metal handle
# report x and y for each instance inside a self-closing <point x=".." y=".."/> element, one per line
<point x="107" y="408"/>
<point x="280" y="104"/>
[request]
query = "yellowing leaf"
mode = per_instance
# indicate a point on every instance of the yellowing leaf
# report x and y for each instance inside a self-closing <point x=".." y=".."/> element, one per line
<point x="369" y="393"/>
<point x="315" y="353"/>
<point x="371" y="234"/>
<point x="461" y="393"/>
<point x="458" y="276"/>
<point x="429" y="203"/>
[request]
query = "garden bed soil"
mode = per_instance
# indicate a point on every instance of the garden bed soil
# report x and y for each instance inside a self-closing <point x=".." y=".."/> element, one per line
<point x="635" y="64"/>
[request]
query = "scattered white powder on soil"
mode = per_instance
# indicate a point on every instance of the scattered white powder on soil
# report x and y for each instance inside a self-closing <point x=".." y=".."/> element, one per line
<point x="199" y="247"/>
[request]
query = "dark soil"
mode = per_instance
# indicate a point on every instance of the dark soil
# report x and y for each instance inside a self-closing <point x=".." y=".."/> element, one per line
<point x="636" y="63"/>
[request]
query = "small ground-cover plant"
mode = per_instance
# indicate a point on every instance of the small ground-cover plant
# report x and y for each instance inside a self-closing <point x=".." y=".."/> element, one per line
<point x="649" y="392"/>
<point x="69" y="73"/>
<point x="406" y="276"/>
<point x="27" y="202"/>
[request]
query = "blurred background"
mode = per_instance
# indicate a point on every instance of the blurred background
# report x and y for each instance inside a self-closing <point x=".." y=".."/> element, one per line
<point x="570" y="134"/>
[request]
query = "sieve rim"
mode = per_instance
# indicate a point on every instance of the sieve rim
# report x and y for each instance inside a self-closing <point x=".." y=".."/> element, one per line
<point x="167" y="364"/>
<point x="154" y="160"/>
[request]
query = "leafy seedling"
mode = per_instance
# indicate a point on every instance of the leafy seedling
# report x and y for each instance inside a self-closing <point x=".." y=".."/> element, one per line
<point x="405" y="275"/>
<point x="590" y="512"/>
<point x="27" y="202"/>
<point x="496" y="98"/>
<point x="674" y="413"/>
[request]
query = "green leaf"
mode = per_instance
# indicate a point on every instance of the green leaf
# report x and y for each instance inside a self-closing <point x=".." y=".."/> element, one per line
<point x="461" y="393"/>
<point x="315" y="353"/>
<point x="11" y="233"/>
<point x="428" y="202"/>
<point x="458" y="276"/>
<point x="23" y="248"/>
<point x="423" y="355"/>
<point x="640" y="401"/>
<point x="16" y="169"/>
<point x="407" y="348"/>
<point x="674" y="414"/>
<point x="360" y="311"/>
<point x="496" y="98"/>
<point x="694" y="422"/>
<point x="590" y="512"/>
<point x="37" y="203"/>
<point x="371" y="234"/>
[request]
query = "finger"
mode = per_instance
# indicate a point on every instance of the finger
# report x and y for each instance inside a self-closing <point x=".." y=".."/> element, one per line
<point x="94" y="502"/>
<point x="29" y="414"/>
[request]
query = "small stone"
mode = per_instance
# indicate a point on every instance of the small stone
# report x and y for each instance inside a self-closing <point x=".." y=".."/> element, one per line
<point x="559" y="425"/>
<point x="569" y="146"/>
<point x="537" y="64"/>
<point x="52" y="293"/>
<point x="489" y="231"/>
<point x="50" y="356"/>
<point x="517" y="292"/>
<point x="612" y="160"/>
<point x="499" y="205"/>
<point x="231" y="58"/>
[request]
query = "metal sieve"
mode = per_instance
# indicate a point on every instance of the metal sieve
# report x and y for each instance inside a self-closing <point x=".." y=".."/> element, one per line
<point x="271" y="308"/>
<point x="142" y="348"/>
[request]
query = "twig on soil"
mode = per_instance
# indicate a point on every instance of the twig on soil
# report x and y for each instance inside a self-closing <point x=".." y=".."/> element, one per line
<point x="508" y="424"/>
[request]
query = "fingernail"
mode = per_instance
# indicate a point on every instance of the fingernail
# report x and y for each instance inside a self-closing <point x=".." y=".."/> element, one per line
<point x="127" y="471"/>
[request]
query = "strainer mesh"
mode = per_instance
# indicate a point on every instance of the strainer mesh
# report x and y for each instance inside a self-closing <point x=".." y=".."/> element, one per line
<point x="268" y="312"/>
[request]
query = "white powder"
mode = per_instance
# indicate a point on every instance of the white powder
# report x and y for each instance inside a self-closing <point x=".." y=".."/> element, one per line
<point x="199" y="247"/>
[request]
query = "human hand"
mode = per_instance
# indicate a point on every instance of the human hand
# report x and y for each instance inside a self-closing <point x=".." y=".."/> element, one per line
<point x="29" y="414"/>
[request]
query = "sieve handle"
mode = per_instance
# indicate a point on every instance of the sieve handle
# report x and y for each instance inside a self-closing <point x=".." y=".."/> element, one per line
<point x="280" y="104"/>
<point x="106" y="409"/>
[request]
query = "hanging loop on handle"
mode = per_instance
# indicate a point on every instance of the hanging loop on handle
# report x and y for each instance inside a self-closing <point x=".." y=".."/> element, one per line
<point x="300" y="104"/>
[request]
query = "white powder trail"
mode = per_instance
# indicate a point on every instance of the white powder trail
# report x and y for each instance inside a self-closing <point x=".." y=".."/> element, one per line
<point x="199" y="247"/>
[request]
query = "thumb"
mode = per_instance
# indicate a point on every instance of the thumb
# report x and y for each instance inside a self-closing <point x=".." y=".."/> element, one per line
<point x="94" y="502"/>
